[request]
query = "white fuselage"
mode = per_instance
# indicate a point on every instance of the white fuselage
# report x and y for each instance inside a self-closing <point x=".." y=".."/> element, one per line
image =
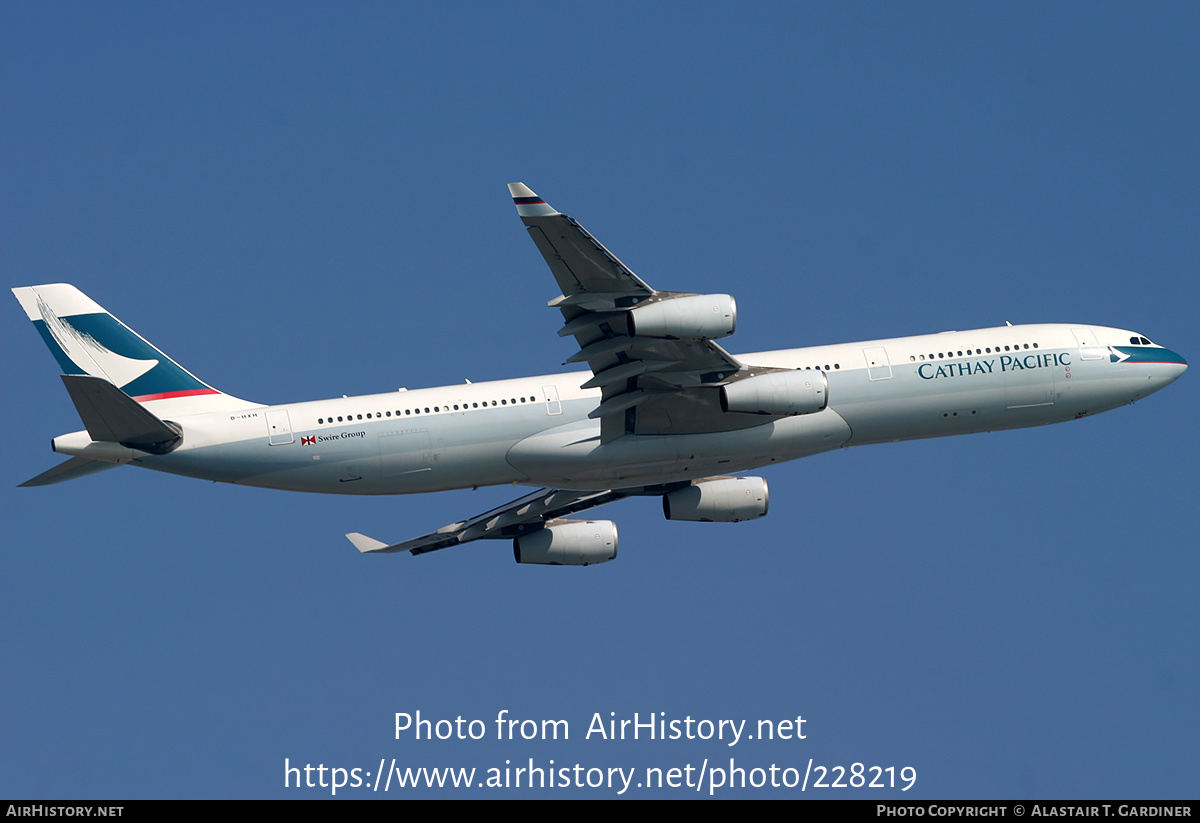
<point x="536" y="430"/>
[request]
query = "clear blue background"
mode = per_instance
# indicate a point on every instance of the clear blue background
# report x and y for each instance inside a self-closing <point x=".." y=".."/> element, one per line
<point x="302" y="200"/>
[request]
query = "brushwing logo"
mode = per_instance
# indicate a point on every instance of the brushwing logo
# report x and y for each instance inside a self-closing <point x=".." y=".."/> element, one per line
<point x="89" y="354"/>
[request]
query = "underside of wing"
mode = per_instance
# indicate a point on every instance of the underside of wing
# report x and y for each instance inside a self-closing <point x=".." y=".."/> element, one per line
<point x="652" y="353"/>
<point x="536" y="525"/>
<point x="541" y="534"/>
<point x="521" y="516"/>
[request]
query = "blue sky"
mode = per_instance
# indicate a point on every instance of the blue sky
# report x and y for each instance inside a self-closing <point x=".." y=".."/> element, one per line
<point x="300" y="201"/>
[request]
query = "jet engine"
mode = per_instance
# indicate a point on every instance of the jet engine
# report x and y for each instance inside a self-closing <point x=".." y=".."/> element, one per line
<point x="696" y="317"/>
<point x="568" y="543"/>
<point x="802" y="391"/>
<point x="720" y="500"/>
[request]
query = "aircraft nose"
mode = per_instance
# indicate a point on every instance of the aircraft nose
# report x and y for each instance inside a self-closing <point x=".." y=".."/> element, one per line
<point x="1169" y="365"/>
<point x="1160" y="368"/>
<point x="1178" y="364"/>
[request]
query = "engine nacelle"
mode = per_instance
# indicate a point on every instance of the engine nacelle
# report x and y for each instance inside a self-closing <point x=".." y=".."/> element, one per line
<point x="698" y="317"/>
<point x="724" y="500"/>
<point x="802" y="391"/>
<point x="569" y="543"/>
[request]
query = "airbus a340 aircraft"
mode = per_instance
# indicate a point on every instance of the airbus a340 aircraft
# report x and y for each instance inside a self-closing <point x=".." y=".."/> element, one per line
<point x="664" y="411"/>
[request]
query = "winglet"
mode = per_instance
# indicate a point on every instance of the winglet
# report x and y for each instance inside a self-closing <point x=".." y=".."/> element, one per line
<point x="365" y="544"/>
<point x="528" y="203"/>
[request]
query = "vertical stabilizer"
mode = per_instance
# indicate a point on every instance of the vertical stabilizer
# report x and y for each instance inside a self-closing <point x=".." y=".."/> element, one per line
<point x="87" y="340"/>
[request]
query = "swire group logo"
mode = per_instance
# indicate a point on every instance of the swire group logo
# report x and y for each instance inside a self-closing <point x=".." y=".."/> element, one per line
<point x="308" y="441"/>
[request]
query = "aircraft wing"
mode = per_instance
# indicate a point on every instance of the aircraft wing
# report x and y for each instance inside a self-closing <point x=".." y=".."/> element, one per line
<point x="521" y="516"/>
<point x="649" y="385"/>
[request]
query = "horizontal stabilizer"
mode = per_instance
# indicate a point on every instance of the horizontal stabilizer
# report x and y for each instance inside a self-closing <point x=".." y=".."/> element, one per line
<point x="111" y="416"/>
<point x="75" y="467"/>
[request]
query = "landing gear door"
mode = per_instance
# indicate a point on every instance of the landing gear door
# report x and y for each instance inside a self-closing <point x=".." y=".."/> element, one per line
<point x="279" y="428"/>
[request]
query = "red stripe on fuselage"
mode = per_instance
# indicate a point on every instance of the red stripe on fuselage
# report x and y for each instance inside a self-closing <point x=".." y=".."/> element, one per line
<point x="142" y="398"/>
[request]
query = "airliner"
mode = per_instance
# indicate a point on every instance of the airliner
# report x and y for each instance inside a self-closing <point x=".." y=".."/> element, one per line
<point x="663" y="411"/>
